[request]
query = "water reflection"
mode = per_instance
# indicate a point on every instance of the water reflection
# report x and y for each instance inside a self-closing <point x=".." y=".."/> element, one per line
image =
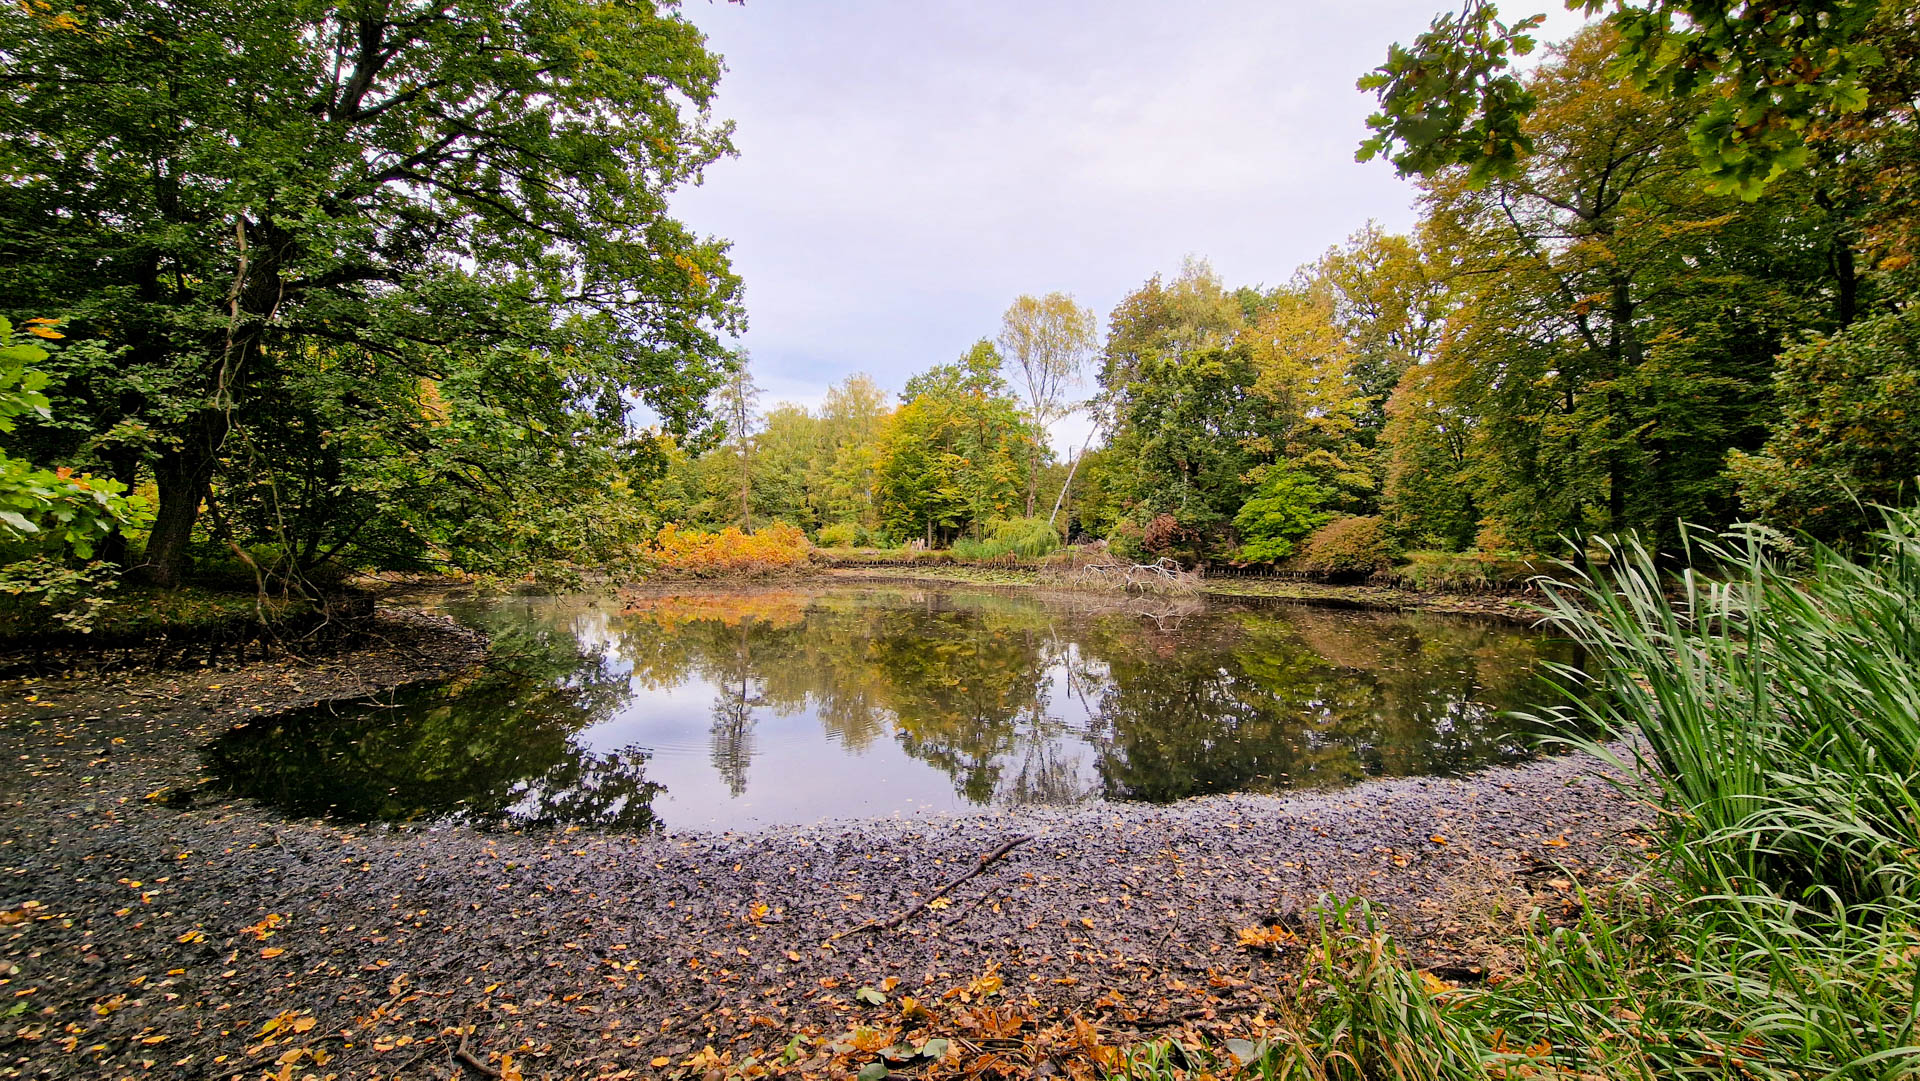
<point x="730" y="708"/>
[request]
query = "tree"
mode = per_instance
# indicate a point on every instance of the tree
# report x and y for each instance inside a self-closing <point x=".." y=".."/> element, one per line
<point x="1313" y="405"/>
<point x="1049" y="340"/>
<point x="846" y="479"/>
<point x="953" y="456"/>
<point x="1849" y="434"/>
<point x="1388" y="305"/>
<point x="737" y="398"/>
<point x="785" y="454"/>
<point x="1772" y="69"/>
<point x="1285" y="507"/>
<point x="242" y="197"/>
<point x="1193" y="311"/>
<point x="1613" y="323"/>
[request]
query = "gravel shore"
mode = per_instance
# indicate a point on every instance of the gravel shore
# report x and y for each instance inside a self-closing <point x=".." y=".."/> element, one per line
<point x="151" y="928"/>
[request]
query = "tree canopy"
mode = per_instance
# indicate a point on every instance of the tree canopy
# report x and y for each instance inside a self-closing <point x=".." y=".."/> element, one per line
<point x="363" y="269"/>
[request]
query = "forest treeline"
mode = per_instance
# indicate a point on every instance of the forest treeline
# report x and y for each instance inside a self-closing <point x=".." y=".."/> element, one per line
<point x="1593" y="343"/>
<point x="305" y="286"/>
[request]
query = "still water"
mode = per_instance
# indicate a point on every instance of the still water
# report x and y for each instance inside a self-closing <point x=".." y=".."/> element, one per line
<point x="723" y="710"/>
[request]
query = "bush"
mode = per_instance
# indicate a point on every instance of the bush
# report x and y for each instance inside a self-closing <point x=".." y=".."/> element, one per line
<point x="1460" y="572"/>
<point x="728" y="553"/>
<point x="1028" y="538"/>
<point x="1285" y="508"/>
<point x="1848" y="435"/>
<point x="1347" y="548"/>
<point x="841" y="535"/>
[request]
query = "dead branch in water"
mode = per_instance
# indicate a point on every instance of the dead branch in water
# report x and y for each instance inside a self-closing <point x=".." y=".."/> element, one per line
<point x="1164" y="577"/>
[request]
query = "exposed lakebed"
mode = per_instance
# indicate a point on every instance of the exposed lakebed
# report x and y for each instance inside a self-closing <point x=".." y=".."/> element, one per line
<point x="737" y="709"/>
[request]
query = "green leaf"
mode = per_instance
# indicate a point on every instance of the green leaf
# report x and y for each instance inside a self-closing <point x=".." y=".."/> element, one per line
<point x="873" y="1071"/>
<point x="870" y="996"/>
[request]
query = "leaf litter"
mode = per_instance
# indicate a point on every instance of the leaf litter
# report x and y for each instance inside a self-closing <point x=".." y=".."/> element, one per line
<point x="151" y="928"/>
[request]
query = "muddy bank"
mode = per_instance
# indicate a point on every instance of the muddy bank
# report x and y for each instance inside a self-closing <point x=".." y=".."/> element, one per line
<point x="150" y="928"/>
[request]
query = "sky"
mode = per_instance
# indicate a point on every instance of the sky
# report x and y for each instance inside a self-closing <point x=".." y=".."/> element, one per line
<point x="906" y="169"/>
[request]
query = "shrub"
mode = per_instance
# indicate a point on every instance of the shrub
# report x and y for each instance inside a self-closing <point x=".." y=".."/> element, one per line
<point x="1347" y="548"/>
<point x="1028" y="538"/>
<point x="1848" y="435"/>
<point x="1285" y="508"/>
<point x="728" y="553"/>
<point x="1460" y="572"/>
<point x="841" y="535"/>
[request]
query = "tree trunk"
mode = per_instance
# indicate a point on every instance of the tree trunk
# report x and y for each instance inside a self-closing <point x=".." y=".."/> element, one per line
<point x="184" y="477"/>
<point x="1846" y="301"/>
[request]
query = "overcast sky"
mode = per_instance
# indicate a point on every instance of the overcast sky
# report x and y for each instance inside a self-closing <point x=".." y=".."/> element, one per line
<point x="907" y="168"/>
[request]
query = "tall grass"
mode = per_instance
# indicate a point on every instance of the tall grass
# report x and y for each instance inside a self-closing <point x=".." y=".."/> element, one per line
<point x="1771" y="712"/>
<point x="1779" y="713"/>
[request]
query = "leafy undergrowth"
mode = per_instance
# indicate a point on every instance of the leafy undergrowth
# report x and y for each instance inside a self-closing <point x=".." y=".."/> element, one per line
<point x="138" y="613"/>
<point x="1352" y="596"/>
<point x="950" y="573"/>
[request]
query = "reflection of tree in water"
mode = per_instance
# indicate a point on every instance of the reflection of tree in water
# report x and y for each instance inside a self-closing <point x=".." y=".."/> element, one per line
<point x="1318" y="697"/>
<point x="960" y="687"/>
<point x="733" y="711"/>
<point x="496" y="744"/>
<point x="1198" y="702"/>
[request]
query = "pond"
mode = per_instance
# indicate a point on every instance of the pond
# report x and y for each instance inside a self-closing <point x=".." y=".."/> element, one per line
<point x="744" y="708"/>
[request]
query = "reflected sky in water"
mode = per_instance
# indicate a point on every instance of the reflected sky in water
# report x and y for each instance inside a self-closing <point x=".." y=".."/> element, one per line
<point x="736" y="709"/>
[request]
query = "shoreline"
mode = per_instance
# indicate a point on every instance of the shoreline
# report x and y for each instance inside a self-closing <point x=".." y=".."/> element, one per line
<point x="158" y="927"/>
<point x="1503" y="606"/>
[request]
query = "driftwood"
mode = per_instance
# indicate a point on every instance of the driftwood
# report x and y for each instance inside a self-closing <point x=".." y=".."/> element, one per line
<point x="979" y="866"/>
<point x="1161" y="576"/>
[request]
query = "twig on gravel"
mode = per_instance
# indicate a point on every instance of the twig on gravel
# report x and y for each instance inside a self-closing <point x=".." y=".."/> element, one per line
<point x="981" y="865"/>
<point x="465" y="1057"/>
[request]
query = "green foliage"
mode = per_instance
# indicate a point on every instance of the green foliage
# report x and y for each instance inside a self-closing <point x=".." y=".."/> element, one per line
<point x="52" y="511"/>
<point x="1462" y="572"/>
<point x="1772" y="69"/>
<point x="1283" y="509"/>
<point x="382" y="283"/>
<point x="1554" y="417"/>
<point x="1351" y="547"/>
<point x="1452" y="98"/>
<point x="955" y="456"/>
<point x="1028" y="538"/>
<point x="1849" y="433"/>
<point x="840" y="535"/>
